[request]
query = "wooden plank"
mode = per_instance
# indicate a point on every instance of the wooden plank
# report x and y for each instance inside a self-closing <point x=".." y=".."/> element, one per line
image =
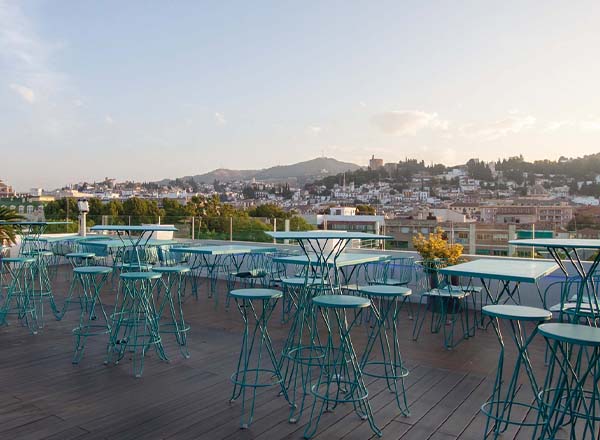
<point x="47" y="397"/>
<point x="38" y="429"/>
<point x="443" y="409"/>
<point x="73" y="433"/>
<point x="468" y="410"/>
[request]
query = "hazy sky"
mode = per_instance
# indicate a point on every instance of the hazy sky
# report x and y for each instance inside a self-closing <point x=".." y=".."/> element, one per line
<point x="153" y="89"/>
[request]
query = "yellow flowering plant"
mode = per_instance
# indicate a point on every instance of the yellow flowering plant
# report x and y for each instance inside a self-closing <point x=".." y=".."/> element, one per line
<point x="435" y="247"/>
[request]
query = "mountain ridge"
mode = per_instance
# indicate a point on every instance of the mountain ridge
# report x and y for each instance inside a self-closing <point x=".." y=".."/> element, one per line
<point x="302" y="171"/>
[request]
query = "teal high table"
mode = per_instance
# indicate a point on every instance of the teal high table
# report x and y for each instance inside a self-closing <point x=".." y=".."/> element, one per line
<point x="215" y="258"/>
<point x="303" y="349"/>
<point x="346" y="263"/>
<point x="138" y="238"/>
<point x="510" y="273"/>
<point x="586" y="305"/>
<point x="135" y="322"/>
<point x="31" y="234"/>
<point x="32" y="245"/>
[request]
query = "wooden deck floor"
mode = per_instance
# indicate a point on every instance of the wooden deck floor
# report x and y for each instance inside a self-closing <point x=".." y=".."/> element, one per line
<point x="45" y="397"/>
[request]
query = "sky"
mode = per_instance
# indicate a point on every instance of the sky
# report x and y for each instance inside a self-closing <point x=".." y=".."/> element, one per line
<point x="144" y="90"/>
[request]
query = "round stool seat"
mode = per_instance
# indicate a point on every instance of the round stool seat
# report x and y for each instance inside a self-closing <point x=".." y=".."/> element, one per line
<point x="341" y="301"/>
<point x="585" y="309"/>
<point x="42" y="253"/>
<point x="92" y="270"/>
<point x="385" y="290"/>
<point x="298" y="281"/>
<point x="139" y="267"/>
<point x="81" y="255"/>
<point x="517" y="313"/>
<point x="171" y="269"/>
<point x="18" y="260"/>
<point x="256" y="293"/>
<point x="571" y="333"/>
<point x="140" y="276"/>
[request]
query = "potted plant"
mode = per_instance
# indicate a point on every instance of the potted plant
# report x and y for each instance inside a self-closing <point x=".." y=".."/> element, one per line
<point x="436" y="253"/>
<point x="7" y="232"/>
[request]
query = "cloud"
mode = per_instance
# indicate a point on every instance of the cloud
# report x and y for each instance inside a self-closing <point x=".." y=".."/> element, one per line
<point x="515" y="122"/>
<point x="591" y="123"/>
<point x="25" y="56"/>
<point x="313" y="129"/>
<point x="109" y="120"/>
<point x="407" y="122"/>
<point x="24" y="92"/>
<point x="220" y="118"/>
<point x="27" y="65"/>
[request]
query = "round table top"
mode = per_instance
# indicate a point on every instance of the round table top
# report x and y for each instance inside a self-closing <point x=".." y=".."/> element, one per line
<point x="92" y="270"/>
<point x="571" y="333"/>
<point x="80" y="255"/>
<point x="517" y="313"/>
<point x="385" y="290"/>
<point x="17" y="259"/>
<point x="140" y="276"/>
<point x="256" y="293"/>
<point x="299" y="281"/>
<point x="171" y="269"/>
<point x="341" y="301"/>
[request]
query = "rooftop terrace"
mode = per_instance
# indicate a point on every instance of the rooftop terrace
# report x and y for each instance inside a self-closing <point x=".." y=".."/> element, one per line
<point x="46" y="397"/>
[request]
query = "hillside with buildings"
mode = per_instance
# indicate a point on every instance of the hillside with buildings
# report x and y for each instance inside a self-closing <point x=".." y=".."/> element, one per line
<point x="481" y="204"/>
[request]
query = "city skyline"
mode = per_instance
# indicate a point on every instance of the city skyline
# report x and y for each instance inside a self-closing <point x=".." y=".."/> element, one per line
<point x="145" y="93"/>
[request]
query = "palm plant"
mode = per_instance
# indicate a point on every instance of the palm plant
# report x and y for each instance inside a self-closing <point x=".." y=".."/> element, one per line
<point x="7" y="232"/>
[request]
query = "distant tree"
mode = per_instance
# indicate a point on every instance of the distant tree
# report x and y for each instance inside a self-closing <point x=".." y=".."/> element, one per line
<point x="365" y="210"/>
<point x="7" y="232"/>
<point x="479" y="170"/>
<point x="268" y="210"/>
<point x="141" y="210"/>
<point x="249" y="192"/>
<point x="61" y="209"/>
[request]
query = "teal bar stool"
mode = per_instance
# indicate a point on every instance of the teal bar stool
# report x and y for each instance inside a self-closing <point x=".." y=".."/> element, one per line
<point x="42" y="286"/>
<point x="91" y="280"/>
<point x="173" y="283"/>
<point x="250" y="371"/>
<point x="340" y="377"/>
<point x="80" y="258"/>
<point x="570" y="397"/>
<point x="387" y="301"/>
<point x="17" y="291"/>
<point x="303" y="349"/>
<point x="135" y="320"/>
<point x="446" y="304"/>
<point x="77" y="259"/>
<point x="502" y="402"/>
<point x="291" y="287"/>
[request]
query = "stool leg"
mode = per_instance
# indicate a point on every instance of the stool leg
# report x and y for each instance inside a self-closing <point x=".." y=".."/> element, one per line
<point x="90" y="302"/>
<point x="180" y="327"/>
<point x="19" y="295"/>
<point x="386" y="314"/>
<point x="340" y="368"/>
<point x="302" y="337"/>
<point x="251" y="353"/>
<point x="567" y="395"/>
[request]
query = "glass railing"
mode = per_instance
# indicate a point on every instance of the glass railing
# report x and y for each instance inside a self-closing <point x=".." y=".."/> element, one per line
<point x="241" y="228"/>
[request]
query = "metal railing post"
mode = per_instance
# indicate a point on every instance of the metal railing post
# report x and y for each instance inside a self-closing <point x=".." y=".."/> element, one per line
<point x="287" y="229"/>
<point x="230" y="228"/>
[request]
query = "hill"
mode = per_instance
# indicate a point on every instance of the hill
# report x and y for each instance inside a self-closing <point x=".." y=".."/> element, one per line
<point x="302" y="171"/>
